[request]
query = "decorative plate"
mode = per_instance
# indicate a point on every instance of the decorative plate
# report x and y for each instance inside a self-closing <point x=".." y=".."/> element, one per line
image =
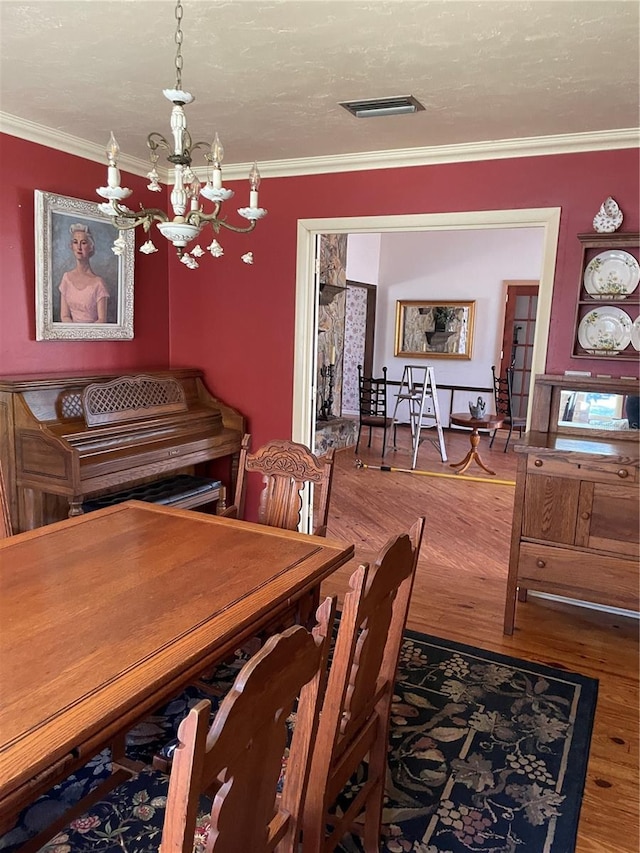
<point x="609" y="218"/>
<point x="605" y="331"/>
<point x="611" y="275"/>
<point x="635" y="333"/>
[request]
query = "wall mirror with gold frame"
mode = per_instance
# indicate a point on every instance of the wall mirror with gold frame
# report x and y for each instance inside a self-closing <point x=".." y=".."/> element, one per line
<point x="434" y="329"/>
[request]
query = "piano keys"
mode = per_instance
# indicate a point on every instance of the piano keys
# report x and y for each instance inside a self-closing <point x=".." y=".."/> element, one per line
<point x="66" y="438"/>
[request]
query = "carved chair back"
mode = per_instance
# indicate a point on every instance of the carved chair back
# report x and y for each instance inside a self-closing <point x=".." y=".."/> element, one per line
<point x="5" y="516"/>
<point x="286" y="467"/>
<point x="238" y="761"/>
<point x="354" y="722"/>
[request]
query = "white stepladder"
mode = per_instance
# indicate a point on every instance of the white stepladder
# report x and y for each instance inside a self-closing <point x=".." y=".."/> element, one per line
<point x="418" y="390"/>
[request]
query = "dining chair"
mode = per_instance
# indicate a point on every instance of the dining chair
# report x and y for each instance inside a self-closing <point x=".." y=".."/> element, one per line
<point x="503" y="399"/>
<point x="372" y="406"/>
<point x="227" y="791"/>
<point x="286" y="467"/>
<point x="353" y="731"/>
<point x="5" y="516"/>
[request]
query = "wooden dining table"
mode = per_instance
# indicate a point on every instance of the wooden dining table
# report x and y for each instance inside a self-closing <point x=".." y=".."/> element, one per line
<point x="105" y="616"/>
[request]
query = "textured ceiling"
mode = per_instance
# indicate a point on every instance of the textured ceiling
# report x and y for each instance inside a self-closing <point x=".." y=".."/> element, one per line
<point x="269" y="76"/>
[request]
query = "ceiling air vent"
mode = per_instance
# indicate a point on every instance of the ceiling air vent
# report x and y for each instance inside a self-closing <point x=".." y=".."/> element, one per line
<point x="383" y="106"/>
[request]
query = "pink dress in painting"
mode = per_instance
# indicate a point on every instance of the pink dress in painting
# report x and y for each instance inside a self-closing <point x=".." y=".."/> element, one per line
<point x="83" y="304"/>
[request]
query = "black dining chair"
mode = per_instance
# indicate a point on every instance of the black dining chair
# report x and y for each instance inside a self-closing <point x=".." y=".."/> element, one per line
<point x="503" y="395"/>
<point x="372" y="396"/>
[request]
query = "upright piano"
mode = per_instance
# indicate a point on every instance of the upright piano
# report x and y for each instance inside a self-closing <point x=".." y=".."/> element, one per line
<point x="66" y="438"/>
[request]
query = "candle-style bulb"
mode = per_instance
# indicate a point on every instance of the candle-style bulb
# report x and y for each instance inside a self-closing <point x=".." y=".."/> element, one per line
<point x="194" y="192"/>
<point x="217" y="152"/>
<point x="254" y="177"/>
<point x="113" y="149"/>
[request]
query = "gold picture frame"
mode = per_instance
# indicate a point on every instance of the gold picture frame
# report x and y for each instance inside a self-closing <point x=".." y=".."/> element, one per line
<point x="434" y="329"/>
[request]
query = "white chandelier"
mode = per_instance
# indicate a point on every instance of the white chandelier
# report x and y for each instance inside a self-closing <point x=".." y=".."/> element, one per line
<point x="188" y="216"/>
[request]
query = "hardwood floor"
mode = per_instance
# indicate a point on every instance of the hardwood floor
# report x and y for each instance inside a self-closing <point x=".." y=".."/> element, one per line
<point x="459" y="594"/>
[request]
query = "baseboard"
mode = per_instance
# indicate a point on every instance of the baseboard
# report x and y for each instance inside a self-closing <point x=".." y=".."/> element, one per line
<point x="590" y="605"/>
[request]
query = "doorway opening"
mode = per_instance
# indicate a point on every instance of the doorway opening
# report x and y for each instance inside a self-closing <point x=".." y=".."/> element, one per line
<point x="306" y="288"/>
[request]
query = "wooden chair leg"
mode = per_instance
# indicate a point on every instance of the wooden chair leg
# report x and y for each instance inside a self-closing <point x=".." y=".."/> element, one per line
<point x="119" y="760"/>
<point x="493" y="436"/>
<point x="374" y="806"/>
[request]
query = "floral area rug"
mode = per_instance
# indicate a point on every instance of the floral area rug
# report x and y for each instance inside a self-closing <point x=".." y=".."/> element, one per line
<point x="487" y="753"/>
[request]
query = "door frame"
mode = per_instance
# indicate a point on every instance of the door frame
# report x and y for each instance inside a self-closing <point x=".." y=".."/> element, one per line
<point x="514" y="285"/>
<point x="547" y="218"/>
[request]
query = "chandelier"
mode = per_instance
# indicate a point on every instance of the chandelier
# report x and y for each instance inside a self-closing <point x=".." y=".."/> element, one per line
<point x="188" y="218"/>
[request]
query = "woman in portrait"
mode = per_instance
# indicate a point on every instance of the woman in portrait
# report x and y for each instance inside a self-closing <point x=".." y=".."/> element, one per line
<point x="83" y="294"/>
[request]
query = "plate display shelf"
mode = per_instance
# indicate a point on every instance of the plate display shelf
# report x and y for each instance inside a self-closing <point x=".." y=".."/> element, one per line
<point x="593" y="245"/>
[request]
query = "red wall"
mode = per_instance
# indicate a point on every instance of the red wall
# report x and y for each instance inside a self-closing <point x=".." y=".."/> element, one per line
<point x="237" y="321"/>
<point x="25" y="167"/>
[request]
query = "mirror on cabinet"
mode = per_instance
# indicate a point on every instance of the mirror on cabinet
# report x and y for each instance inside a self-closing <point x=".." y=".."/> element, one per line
<point x="586" y="406"/>
<point x="591" y="410"/>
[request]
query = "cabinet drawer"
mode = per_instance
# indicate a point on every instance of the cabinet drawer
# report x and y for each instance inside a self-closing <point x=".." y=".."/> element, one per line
<point x="601" y="472"/>
<point x="607" y="472"/>
<point x="578" y="574"/>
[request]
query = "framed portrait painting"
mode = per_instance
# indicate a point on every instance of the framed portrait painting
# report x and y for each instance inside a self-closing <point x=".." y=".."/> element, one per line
<point x="436" y="329"/>
<point x="84" y="291"/>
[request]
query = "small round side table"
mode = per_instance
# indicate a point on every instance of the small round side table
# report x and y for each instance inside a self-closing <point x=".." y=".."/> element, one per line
<point x="489" y="422"/>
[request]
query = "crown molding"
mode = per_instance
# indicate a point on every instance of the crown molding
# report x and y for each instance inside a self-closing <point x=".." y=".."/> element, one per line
<point x="493" y="150"/>
<point x="538" y="146"/>
<point x="32" y="132"/>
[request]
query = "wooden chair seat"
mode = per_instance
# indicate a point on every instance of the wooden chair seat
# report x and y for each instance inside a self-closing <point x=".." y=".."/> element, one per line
<point x="223" y="791"/>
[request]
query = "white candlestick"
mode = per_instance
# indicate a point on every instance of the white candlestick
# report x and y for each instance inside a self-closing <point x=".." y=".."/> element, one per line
<point x="217" y="179"/>
<point x="253" y="198"/>
<point x="113" y="177"/>
<point x="332" y="357"/>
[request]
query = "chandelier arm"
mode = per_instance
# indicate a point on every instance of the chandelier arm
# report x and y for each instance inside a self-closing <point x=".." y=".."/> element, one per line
<point x="196" y="145"/>
<point x="224" y="224"/>
<point x="156" y="140"/>
<point x="127" y="219"/>
<point x="195" y="217"/>
<point x="198" y="217"/>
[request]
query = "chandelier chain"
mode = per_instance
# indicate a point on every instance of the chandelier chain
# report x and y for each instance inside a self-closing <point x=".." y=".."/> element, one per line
<point x="178" y="40"/>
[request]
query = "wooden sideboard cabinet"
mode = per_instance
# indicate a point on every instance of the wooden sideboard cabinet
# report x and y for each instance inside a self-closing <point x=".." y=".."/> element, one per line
<point x="576" y="524"/>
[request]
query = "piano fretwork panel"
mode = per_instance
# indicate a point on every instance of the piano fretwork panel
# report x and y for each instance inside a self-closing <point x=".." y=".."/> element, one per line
<point x="66" y="438"/>
<point x="71" y="405"/>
